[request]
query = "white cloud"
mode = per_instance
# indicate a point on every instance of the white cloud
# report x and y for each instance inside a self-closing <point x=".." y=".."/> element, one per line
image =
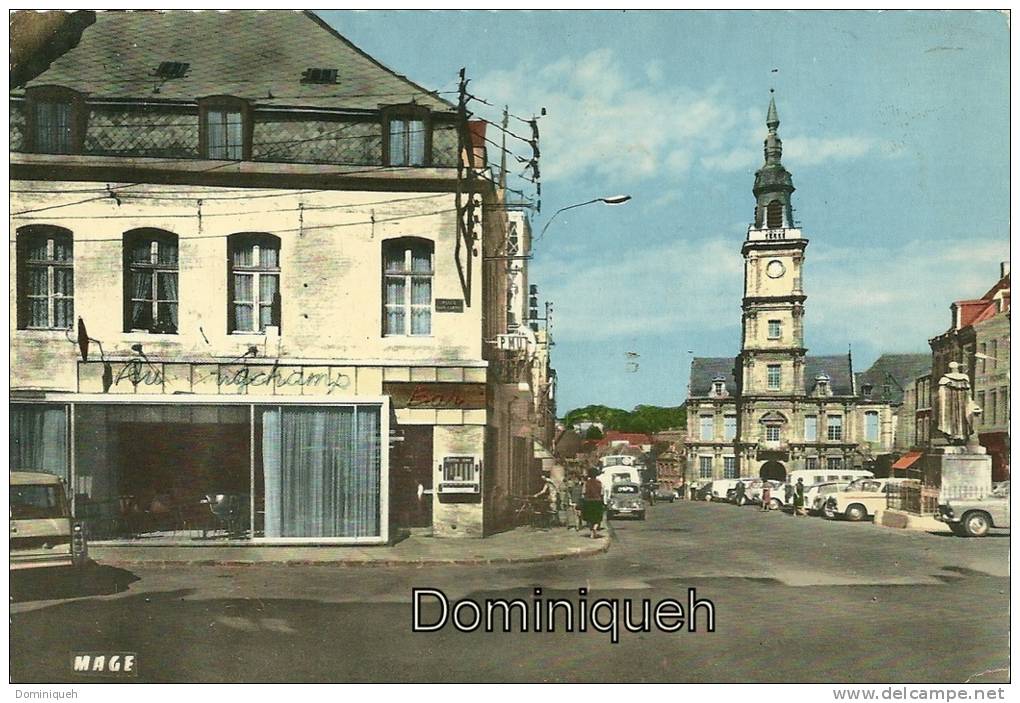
<point x="624" y="125"/>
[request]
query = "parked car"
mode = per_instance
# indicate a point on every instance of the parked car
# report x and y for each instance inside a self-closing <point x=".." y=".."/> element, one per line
<point x="704" y="491"/>
<point x="815" y="496"/>
<point x="625" y="499"/>
<point x="722" y="488"/>
<point x="754" y="491"/>
<point x="813" y="476"/>
<point x="861" y="498"/>
<point x="44" y="533"/>
<point x="974" y="517"/>
<point x="664" y="492"/>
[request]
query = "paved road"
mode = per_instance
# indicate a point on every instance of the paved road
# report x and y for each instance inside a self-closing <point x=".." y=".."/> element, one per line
<point x="796" y="599"/>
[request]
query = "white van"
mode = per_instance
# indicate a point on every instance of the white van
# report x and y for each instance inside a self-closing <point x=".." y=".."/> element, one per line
<point x="43" y="531"/>
<point x="813" y="476"/>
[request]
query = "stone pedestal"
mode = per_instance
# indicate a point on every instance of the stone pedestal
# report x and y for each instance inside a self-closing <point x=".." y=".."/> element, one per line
<point x="959" y="472"/>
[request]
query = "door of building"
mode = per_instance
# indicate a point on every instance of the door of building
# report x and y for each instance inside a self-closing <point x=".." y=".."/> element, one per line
<point x="411" y="474"/>
<point x="773" y="471"/>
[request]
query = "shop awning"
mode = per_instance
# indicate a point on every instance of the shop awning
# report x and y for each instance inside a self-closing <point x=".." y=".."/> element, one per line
<point x="907" y="460"/>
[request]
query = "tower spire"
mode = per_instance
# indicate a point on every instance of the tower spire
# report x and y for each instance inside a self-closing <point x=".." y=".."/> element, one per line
<point x="773" y="184"/>
<point x="772" y="120"/>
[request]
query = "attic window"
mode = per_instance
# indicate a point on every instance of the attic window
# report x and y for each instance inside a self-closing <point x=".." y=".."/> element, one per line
<point x="319" y="75"/>
<point x="172" y="69"/>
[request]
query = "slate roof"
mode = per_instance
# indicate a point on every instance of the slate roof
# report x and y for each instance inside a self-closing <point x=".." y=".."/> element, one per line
<point x="902" y="369"/>
<point x="704" y="371"/>
<point x="259" y="56"/>
<point x="836" y="367"/>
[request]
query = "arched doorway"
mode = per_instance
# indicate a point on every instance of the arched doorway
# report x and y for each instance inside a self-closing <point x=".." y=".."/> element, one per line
<point x="773" y="471"/>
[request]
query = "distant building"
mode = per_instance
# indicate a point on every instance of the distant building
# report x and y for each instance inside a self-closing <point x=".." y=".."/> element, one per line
<point x="772" y="408"/>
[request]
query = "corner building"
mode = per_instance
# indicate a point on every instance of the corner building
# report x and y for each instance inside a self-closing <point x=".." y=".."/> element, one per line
<point x="248" y="280"/>
<point x="773" y="408"/>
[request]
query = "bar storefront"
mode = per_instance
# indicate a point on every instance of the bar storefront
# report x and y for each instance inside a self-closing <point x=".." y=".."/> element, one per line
<point x="207" y="453"/>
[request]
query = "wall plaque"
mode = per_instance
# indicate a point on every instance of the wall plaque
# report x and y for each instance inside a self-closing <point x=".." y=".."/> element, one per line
<point x="449" y="305"/>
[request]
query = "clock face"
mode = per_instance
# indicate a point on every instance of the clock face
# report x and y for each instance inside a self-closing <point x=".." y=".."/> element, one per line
<point x="775" y="269"/>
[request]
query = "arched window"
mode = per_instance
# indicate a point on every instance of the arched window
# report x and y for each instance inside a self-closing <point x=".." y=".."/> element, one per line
<point x="45" y="271"/>
<point x="151" y="294"/>
<point x="775" y="214"/>
<point x="254" y="282"/>
<point x="408" y="268"/>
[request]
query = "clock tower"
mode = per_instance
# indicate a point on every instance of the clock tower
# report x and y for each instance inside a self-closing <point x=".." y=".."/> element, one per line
<point x="772" y="339"/>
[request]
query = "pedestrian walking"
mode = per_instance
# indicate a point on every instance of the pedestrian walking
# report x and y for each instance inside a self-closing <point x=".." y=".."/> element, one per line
<point x="798" y="498"/>
<point x="766" y="495"/>
<point x="576" y="502"/>
<point x="739" y="492"/>
<point x="594" y="508"/>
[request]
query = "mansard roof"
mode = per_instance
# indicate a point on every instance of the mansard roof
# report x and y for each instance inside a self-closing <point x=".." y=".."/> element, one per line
<point x="258" y="56"/>
<point x="898" y="371"/>
<point x="704" y="371"/>
<point x="837" y="368"/>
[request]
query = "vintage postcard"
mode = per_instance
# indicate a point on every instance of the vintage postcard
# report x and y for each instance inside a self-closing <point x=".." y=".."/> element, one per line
<point x="510" y="346"/>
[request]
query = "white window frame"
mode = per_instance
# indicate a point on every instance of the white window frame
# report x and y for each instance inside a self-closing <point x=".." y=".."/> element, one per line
<point x="872" y="426"/>
<point x="834" y="428"/>
<point x="50" y="264"/>
<point x="774" y="383"/>
<point x="256" y="271"/>
<point x="729" y="466"/>
<point x="778" y="329"/>
<point x="729" y="427"/>
<point x="810" y="428"/>
<point x="706" y="427"/>
<point x="408" y="276"/>
<point x="773" y="434"/>
<point x="703" y="465"/>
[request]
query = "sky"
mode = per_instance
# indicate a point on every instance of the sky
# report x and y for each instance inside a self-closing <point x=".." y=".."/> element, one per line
<point x="895" y="126"/>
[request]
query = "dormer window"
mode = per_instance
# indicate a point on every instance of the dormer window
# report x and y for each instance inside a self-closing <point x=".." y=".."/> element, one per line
<point x="866" y="390"/>
<point x="719" y="387"/>
<point x="53" y="124"/>
<point x="408" y="134"/>
<point x="225" y="133"/>
<point x="822" y="385"/>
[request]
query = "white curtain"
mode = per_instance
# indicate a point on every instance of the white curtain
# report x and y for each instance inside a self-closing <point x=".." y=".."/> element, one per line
<point x="39" y="439"/>
<point x="321" y="467"/>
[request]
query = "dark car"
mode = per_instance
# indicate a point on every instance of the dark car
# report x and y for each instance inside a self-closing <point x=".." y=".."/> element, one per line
<point x="664" y="492"/>
<point x="625" y="499"/>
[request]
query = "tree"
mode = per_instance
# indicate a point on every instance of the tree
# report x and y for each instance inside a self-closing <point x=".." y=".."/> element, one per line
<point x="594" y="433"/>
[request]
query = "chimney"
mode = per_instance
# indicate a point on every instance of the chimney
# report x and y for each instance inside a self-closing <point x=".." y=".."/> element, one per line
<point x="476" y="131"/>
<point x="1003" y="269"/>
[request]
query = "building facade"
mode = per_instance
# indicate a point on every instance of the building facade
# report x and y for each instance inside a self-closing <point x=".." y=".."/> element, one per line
<point x="256" y="307"/>
<point x="978" y="340"/>
<point x="773" y="408"/>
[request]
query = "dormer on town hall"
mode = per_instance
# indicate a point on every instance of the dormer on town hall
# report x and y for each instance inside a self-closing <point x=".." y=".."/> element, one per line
<point x="773" y="409"/>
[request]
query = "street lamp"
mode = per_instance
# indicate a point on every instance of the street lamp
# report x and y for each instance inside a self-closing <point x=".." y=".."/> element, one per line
<point x="608" y="200"/>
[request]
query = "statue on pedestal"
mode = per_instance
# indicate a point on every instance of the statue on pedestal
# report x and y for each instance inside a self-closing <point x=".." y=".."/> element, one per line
<point x="954" y="407"/>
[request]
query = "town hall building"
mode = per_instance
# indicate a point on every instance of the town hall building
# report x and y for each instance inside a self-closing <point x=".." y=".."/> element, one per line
<point x="773" y="408"/>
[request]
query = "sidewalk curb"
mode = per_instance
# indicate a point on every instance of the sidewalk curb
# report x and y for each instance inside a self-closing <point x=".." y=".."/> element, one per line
<point x="602" y="548"/>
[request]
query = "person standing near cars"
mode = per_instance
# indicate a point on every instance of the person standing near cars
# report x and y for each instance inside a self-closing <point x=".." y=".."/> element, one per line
<point x="739" y="493"/>
<point x="798" y="498"/>
<point x="766" y="495"/>
<point x="594" y="508"/>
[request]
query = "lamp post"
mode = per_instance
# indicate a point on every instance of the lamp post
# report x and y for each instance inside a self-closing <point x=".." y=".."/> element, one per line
<point x="608" y="200"/>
